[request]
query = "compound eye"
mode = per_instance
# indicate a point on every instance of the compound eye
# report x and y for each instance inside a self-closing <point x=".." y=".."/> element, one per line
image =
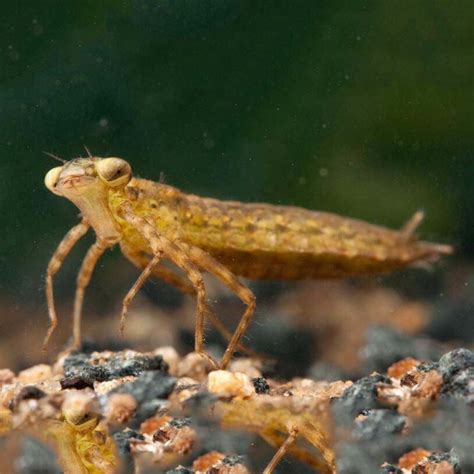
<point x="51" y="179"/>
<point x="114" y="171"/>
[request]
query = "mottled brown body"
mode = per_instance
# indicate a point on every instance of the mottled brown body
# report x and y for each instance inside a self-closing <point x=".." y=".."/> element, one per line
<point x="262" y="241"/>
<point x="153" y="222"/>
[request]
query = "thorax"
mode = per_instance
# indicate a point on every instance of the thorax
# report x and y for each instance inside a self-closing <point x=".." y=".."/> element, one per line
<point x="158" y="204"/>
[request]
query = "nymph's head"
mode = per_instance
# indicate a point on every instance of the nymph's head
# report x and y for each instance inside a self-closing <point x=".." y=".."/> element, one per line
<point x="87" y="183"/>
<point x="84" y="175"/>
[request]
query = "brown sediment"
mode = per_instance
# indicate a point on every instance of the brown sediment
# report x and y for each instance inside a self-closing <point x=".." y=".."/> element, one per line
<point x="79" y="423"/>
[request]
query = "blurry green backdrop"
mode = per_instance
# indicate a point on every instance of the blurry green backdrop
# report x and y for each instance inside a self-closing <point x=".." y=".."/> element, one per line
<point x="364" y="108"/>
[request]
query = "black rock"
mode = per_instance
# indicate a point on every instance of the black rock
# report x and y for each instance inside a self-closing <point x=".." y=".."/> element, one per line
<point x="379" y="422"/>
<point x="180" y="422"/>
<point x="148" y="386"/>
<point x="80" y="372"/>
<point x="362" y="395"/>
<point x="30" y="392"/>
<point x="457" y="368"/>
<point x="450" y="427"/>
<point x="77" y="382"/>
<point x="180" y="470"/>
<point x="261" y="385"/>
<point x="427" y="366"/>
<point x="233" y="460"/>
<point x="456" y="360"/>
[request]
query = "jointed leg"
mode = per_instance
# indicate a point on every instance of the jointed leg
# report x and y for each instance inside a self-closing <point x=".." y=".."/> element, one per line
<point x="172" y="278"/>
<point x="160" y="271"/>
<point x="283" y="449"/>
<point x="160" y="244"/>
<point x="211" y="265"/>
<point x="83" y="279"/>
<point x="136" y="288"/>
<point x="68" y="242"/>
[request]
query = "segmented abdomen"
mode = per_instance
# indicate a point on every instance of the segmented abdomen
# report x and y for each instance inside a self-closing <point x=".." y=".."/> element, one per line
<point x="265" y="241"/>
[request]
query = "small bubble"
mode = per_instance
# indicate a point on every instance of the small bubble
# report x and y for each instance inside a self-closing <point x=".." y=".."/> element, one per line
<point x="323" y="172"/>
<point x="301" y="180"/>
<point x="104" y="122"/>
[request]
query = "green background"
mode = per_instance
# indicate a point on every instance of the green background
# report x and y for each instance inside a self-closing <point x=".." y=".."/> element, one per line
<point x="360" y="108"/>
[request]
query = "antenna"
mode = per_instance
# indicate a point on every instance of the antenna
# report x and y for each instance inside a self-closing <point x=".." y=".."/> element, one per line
<point x="54" y="157"/>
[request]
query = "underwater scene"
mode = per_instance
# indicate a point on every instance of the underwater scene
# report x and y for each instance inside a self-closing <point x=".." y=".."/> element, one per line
<point x="237" y="237"/>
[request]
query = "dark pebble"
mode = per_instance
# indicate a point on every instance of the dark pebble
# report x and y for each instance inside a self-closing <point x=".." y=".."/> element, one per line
<point x="148" y="386"/>
<point x="180" y="422"/>
<point x="451" y="426"/>
<point x="233" y="460"/>
<point x="261" y="385"/>
<point x="77" y="382"/>
<point x="180" y="470"/>
<point x="362" y="395"/>
<point x="379" y="423"/>
<point x="427" y="366"/>
<point x="456" y="360"/>
<point x="457" y="368"/>
<point x="80" y="373"/>
<point x="30" y="392"/>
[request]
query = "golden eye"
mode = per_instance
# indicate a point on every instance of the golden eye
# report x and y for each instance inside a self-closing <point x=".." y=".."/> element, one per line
<point x="114" y="171"/>
<point x="51" y="179"/>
